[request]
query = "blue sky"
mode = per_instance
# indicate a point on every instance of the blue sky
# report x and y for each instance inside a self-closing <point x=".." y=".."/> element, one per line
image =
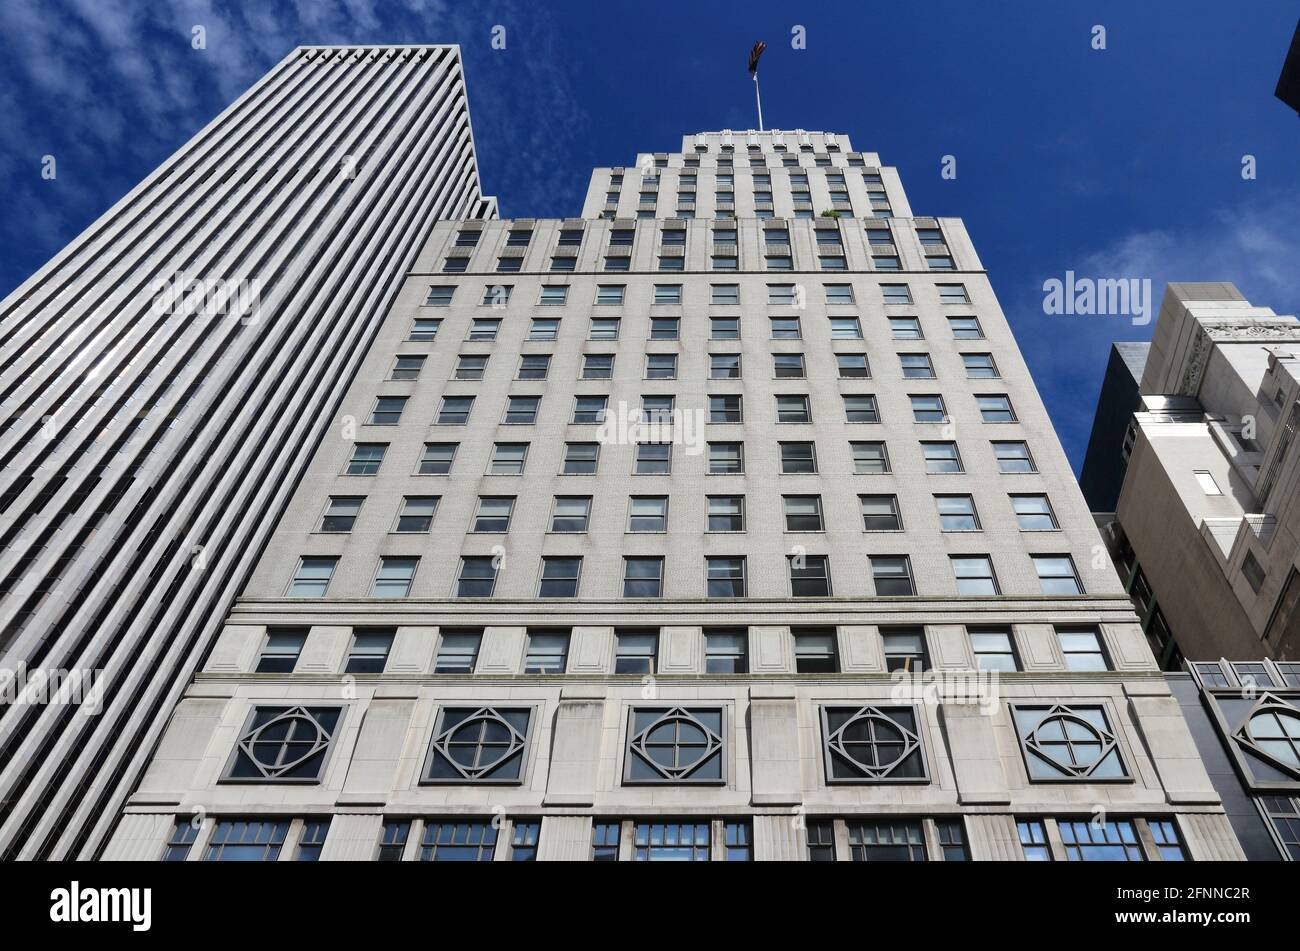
<point x="1122" y="162"/>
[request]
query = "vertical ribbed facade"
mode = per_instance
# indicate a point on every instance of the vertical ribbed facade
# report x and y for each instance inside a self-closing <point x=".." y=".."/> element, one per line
<point x="151" y="433"/>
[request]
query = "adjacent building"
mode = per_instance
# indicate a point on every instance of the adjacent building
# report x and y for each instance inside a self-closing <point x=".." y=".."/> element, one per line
<point x="166" y="379"/>
<point x="722" y="522"/>
<point x="1205" y="529"/>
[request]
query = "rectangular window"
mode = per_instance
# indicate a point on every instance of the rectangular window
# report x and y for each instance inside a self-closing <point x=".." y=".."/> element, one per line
<point x="597" y="366"/>
<point x="810" y="576"/>
<point x="725" y="409"/>
<point x="483" y="329"/>
<point x="341" y="513"/>
<point x="994" y="649"/>
<point x="788" y="366"/>
<point x="845" y="328"/>
<point x="996" y="409"/>
<point x="387" y="411"/>
<point x="416" y="514"/>
<point x="1013" y="457"/>
<point x="657" y="409"/>
<point x="797" y="458"/>
<point x="974" y="574"/>
<point x="369" y="651"/>
<point x="247" y="840"/>
<point x="821" y="840"/>
<point x="892" y="575"/>
<point x="603" y="328"/>
<point x="980" y="366"/>
<point x="661" y="366"/>
<point x="457" y="652"/>
<point x="664" y="328"/>
<point x="928" y="408"/>
<point x="534" y="366"/>
<point x="803" y="513"/>
<point x="184" y="831"/>
<point x="493" y="514"/>
<point x="785" y="328"/>
<point x="580" y="458"/>
<point x="904" y="648"/>
<point x="312" y="579"/>
<point x="793" y="409"/>
<point x="1164" y="833"/>
<point x="815" y="650"/>
<point x="781" y="294"/>
<point x="648" y="513"/>
<point x="470" y="366"/>
<point x="478" y="576"/>
<point x="916" y="366"/>
<point x="559" y="577"/>
<point x="571" y="513"/>
<point x="440" y="296"/>
<point x="1056" y="574"/>
<point x="861" y="408"/>
<point x="853" y="366"/>
<point x="589" y="409"/>
<point x="496" y="295"/>
<point x="280" y="650"/>
<point x="952" y="840"/>
<point x="870" y="458"/>
<point x="643" y="577"/>
<point x="522" y="410"/>
<point x="739" y="841"/>
<point x="394" y="577"/>
<point x="610" y="294"/>
<point x="957" y="513"/>
<point x="726" y="513"/>
<point x="437" y="458"/>
<point x="896" y="293"/>
<point x="508" y="458"/>
<point x="635" y="651"/>
<point x="547" y="653"/>
<point x="424" y="329"/>
<point x="668" y="294"/>
<point x="407" y="367"/>
<point x="905" y="328"/>
<point x="724" y="577"/>
<point x="941" y="457"/>
<point x="724" y="294"/>
<point x="726" y="650"/>
<point x="523" y="839"/>
<point x="653" y="458"/>
<point x="1082" y="649"/>
<point x="880" y="513"/>
<point x="671" y="842"/>
<point x="1033" y="513"/>
<point x="839" y="294"/>
<point x="724" y="328"/>
<point x="1033" y="840"/>
<point x="966" y="328"/>
<point x="604" y="841"/>
<point x="455" y="410"/>
<point x="726" y="458"/>
<point x="458" y="841"/>
<point x="953" y="294"/>
<point x="1094" y="840"/>
<point x="724" y="366"/>
<point x="553" y="294"/>
<point x="885" y="841"/>
<point x="1252" y="571"/>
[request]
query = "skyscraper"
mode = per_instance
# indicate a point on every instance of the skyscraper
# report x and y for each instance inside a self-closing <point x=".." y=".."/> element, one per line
<point x="165" y="380"/>
<point x="721" y="522"/>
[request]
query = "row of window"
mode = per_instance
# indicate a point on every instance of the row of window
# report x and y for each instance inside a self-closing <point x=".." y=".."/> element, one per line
<point x="941" y="457"/>
<point x="725" y="513"/>
<point x="778" y="295"/>
<point x="726" y="650"/>
<point x="725" y="576"/>
<point x="689" y="840"/>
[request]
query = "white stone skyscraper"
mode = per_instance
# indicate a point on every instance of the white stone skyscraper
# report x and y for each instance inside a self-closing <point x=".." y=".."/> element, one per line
<point x="721" y="522"/>
<point x="164" y="381"/>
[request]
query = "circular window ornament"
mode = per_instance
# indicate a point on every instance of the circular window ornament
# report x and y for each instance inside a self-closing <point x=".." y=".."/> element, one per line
<point x="1272" y="731"/>
<point x="676" y="745"/>
<point x="873" y="743"/>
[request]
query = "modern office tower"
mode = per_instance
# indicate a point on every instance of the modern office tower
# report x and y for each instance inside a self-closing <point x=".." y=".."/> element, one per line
<point x="165" y="380"/>
<point x="722" y="522"/>
<point x="1204" y="534"/>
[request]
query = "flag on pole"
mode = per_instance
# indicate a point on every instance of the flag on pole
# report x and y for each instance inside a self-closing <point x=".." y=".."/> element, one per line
<point x="754" y="54"/>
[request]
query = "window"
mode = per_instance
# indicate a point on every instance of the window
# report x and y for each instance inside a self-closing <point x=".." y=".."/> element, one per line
<point x="957" y="513"/>
<point x="1082" y="649"/>
<point x="821" y="840"/>
<point x="553" y="294"/>
<point x="881" y="841"/>
<point x="1056" y="574"/>
<point x="589" y="409"/>
<point x="832" y="262"/>
<point x="457" y="652"/>
<point x="648" y="514"/>
<point x="810" y="576"/>
<point x="664" y="328"/>
<point x="653" y="458"/>
<point x="668" y="294"/>
<point x="724" y="577"/>
<point x="440" y="296"/>
<point x="853" y="366"/>
<point x="184" y="831"/>
<point x="284" y="744"/>
<point x="312" y="578"/>
<point x="886" y="262"/>
<point x="781" y="294"/>
<point x="604" y="841"/>
<point x="547" y="653"/>
<point x="880" y="237"/>
<point x="661" y="366"/>
<point x="952" y="840"/>
<point x="739" y="842"/>
<point x="845" y="328"/>
<point x="508" y="458"/>
<point x="965" y="328"/>
<point x="392" y="841"/>
<point x="1165" y="835"/>
<point x="1013" y="457"/>
<point x="580" y="458"/>
<point x="559" y="577"/>
<point x="621" y="237"/>
<point x="416" y="514"/>
<point x="496" y="295"/>
<point x="939" y="262"/>
<point x="1062" y="743"/>
<point x="980" y="366"/>
<point x="1252" y="571"/>
<point x="892" y="575"/>
<point x="609" y="294"/>
<point x="1033" y="513"/>
<point x="724" y="294"/>
<point x="724" y="328"/>
<point x="519" y="238"/>
<point x="785" y="328"/>
<point x="803" y="513"/>
<point x="643" y="577"/>
<point x="788" y="366"/>
<point x="994" y="649"/>
<point x="880" y="513"/>
<point x="493" y="514"/>
<point x="725" y="409"/>
<point x="726" y="513"/>
<point x="724" y="366"/>
<point x="872" y="744"/>
<point x="941" y="457"/>
<point x="394" y="577"/>
<point x="458" y="841"/>
<point x="896" y="293"/>
<point x="671" y="842"/>
<point x="635" y="651"/>
<point x="387" y="411"/>
<point x="674" y="745"/>
<point x="870" y="458"/>
<point x="523" y="840"/>
<point x="424" y="329"/>
<point x="341" y="513"/>
<point x="839" y="294"/>
<point x="571" y="513"/>
<point x="478" y="576"/>
<point x="483" y="329"/>
<point x="603" y="328"/>
<point x="974" y="574"/>
<point x="470" y="366"/>
<point x="793" y="409"/>
<point x="280" y="651"/>
<point x="369" y="652"/>
<point x="953" y="294"/>
<point x="928" y="409"/>
<point x="407" y="367"/>
<point x="247" y="840"/>
<point x="995" y="409"/>
<point x="1033" y="840"/>
<point x="815" y="650"/>
<point x="522" y="410"/>
<point x="455" y="410"/>
<point x="726" y="650"/>
<point x="534" y="366"/>
<point x="597" y="366"/>
<point x="437" y="458"/>
<point x="904" y="648"/>
<point x="861" y="408"/>
<point x="797" y="457"/>
<point x="916" y="366"/>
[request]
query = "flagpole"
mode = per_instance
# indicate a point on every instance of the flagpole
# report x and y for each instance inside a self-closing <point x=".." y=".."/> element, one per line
<point x="759" y="100"/>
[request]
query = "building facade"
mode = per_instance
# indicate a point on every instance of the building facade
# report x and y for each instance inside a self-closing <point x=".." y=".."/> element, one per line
<point x="165" y="380"/>
<point x="707" y="525"/>
<point x="1205" y="534"/>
